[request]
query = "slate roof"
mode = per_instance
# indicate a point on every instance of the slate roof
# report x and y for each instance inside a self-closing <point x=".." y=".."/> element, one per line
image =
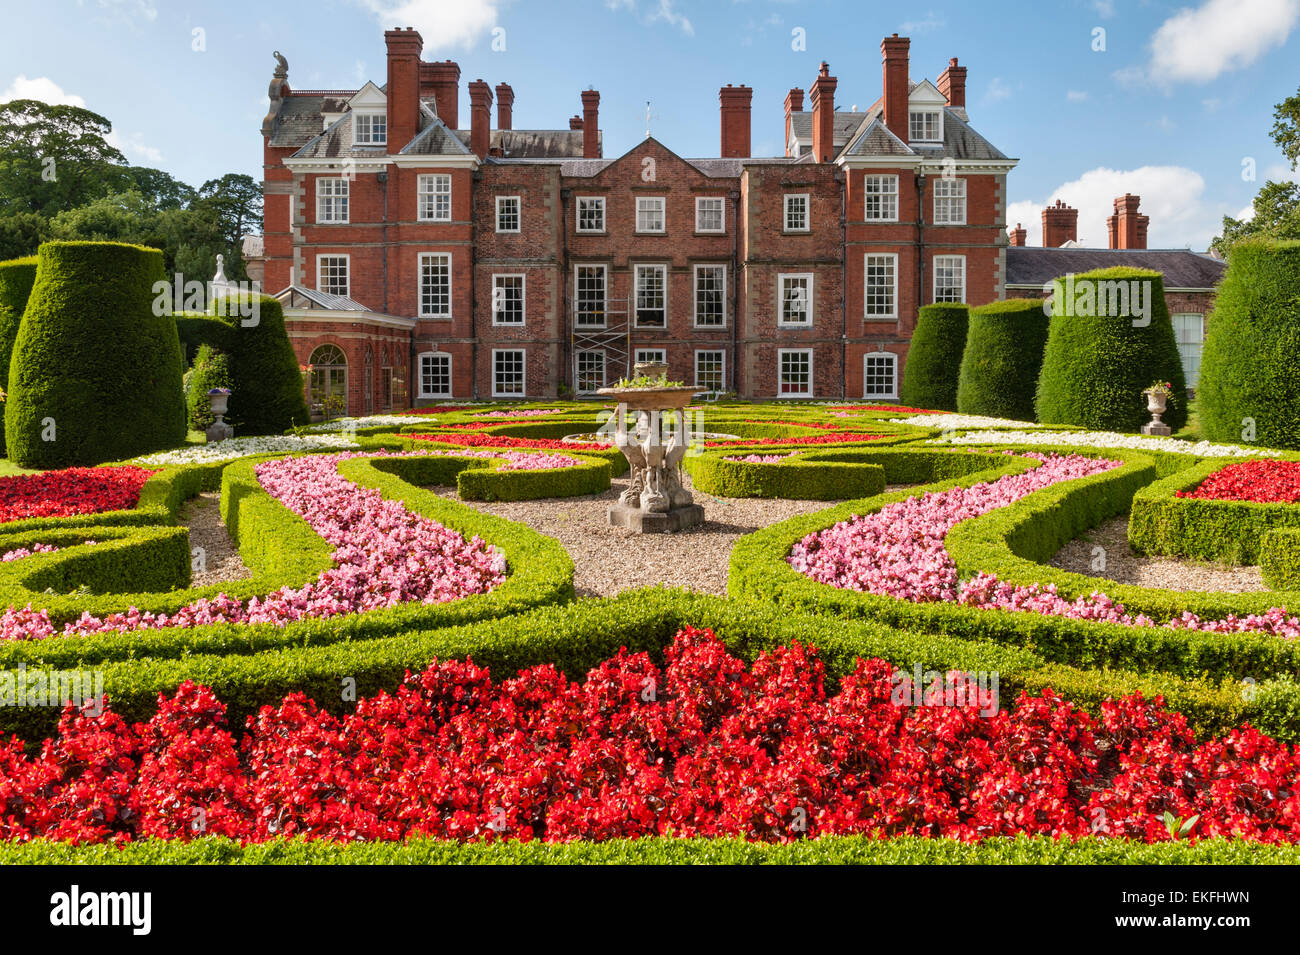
<point x="338" y="303"/>
<point x="435" y="140"/>
<point x="300" y="117"/>
<point x="336" y="142"/>
<point x="1181" y="268"/>
<point x="846" y="123"/>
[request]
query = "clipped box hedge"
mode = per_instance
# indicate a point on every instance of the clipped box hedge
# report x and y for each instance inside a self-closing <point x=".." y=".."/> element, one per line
<point x="1201" y="528"/>
<point x="478" y="478"/>
<point x="1279" y="558"/>
<point x="802" y="476"/>
<point x="934" y="357"/>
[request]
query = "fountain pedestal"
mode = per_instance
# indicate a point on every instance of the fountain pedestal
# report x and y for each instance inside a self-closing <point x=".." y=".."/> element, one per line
<point x="655" y="501"/>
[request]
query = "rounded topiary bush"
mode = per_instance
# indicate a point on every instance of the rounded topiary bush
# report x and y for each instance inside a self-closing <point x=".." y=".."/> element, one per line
<point x="16" y="279"/>
<point x="1250" y="369"/>
<point x="96" y="369"/>
<point x="268" y="396"/>
<point x="1003" y="355"/>
<point x="934" y="357"/>
<point x="1108" y="339"/>
<point x="211" y="370"/>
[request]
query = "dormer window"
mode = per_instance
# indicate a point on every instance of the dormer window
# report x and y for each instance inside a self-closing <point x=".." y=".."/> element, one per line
<point x="370" y="129"/>
<point x="925" y="126"/>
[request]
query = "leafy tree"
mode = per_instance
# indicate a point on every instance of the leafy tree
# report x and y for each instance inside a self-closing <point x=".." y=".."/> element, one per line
<point x="1277" y="205"/>
<point x="159" y="189"/>
<point x="54" y="158"/>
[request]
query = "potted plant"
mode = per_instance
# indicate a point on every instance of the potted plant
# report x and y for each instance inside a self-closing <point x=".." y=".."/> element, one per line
<point x="1158" y="395"/>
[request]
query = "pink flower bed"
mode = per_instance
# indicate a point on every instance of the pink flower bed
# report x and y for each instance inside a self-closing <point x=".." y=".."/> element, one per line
<point x="759" y="458"/>
<point x="526" y="413"/>
<point x="18" y="553"/>
<point x="514" y="460"/>
<point x="898" y="552"/>
<point x="384" y="555"/>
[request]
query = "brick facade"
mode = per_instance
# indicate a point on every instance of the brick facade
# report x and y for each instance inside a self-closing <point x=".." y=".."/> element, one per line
<point x="774" y="303"/>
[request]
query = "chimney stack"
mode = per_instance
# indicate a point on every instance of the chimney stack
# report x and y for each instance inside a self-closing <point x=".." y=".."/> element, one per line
<point x="793" y="104"/>
<point x="442" y="82"/>
<point x="404" y="48"/>
<point x="505" y="106"/>
<point x="1019" y="236"/>
<point x="575" y="121"/>
<point x="823" y="110"/>
<point x="1060" y="225"/>
<point x="952" y="84"/>
<point x="894" y="52"/>
<point x="480" y="118"/>
<point x="1126" y="228"/>
<point x="735" y="111"/>
<point x="590" y="124"/>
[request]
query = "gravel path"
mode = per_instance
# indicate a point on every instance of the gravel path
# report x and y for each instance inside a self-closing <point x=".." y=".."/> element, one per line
<point x="1124" y="566"/>
<point x="202" y="515"/>
<point x="608" y="560"/>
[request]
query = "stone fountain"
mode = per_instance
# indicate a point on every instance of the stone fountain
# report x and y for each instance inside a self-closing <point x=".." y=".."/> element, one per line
<point x="655" y="501"/>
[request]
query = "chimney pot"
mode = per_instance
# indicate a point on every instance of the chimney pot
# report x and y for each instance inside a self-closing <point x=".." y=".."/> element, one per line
<point x="735" y="103"/>
<point x="1127" y="228"/>
<point x="894" y="55"/>
<point x="480" y="118"/>
<point x="575" y="122"/>
<point x="590" y="124"/>
<point x="1019" y="235"/>
<point x="823" y="109"/>
<point x="442" y="82"/>
<point x="404" y="48"/>
<point x="952" y="84"/>
<point x="1060" y="225"/>
<point x="505" y="106"/>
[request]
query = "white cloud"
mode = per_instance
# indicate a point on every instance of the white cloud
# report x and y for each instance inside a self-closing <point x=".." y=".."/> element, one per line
<point x="1173" y="196"/>
<point x="1198" y="45"/>
<point x="998" y="89"/>
<point x="40" y="88"/>
<point x="664" y="11"/>
<point x="1076" y="96"/>
<point x="441" y="23"/>
<point x="133" y="145"/>
<point x="1104" y="8"/>
<point x="931" y="21"/>
<point x="127" y="9"/>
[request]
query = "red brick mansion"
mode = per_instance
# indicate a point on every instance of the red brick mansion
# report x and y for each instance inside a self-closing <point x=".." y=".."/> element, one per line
<point x="419" y="260"/>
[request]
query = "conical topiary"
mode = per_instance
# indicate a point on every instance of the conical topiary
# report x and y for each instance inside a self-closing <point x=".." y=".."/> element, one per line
<point x="1109" y="338"/>
<point x="268" y="396"/>
<point x="96" y="368"/>
<point x="16" y="278"/>
<point x="1004" y="353"/>
<point x="934" y="357"/>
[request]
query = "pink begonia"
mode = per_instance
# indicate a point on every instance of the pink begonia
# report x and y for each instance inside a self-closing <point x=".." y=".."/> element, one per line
<point x="760" y="458"/>
<point x="18" y="553"/>
<point x="898" y="552"/>
<point x="528" y="413"/>
<point x="384" y="556"/>
<point x="515" y="460"/>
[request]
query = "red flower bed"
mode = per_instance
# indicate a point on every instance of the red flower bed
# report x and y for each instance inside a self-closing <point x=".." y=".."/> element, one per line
<point x="903" y="409"/>
<point x="1274" y="482"/>
<point x="505" y="441"/>
<point x="480" y="425"/>
<point x="830" y="437"/>
<point x="704" y="746"/>
<point x="441" y="409"/>
<point x="71" y="491"/>
<point x="798" y="424"/>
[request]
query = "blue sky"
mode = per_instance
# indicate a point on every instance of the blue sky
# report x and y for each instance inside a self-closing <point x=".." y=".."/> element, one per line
<point x="1179" y="97"/>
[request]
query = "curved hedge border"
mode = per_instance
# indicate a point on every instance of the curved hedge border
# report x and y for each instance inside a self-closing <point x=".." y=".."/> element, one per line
<point x="759" y="570"/>
<point x="828" y="850"/>
<point x="805" y="476"/>
<point x="1201" y="528"/>
<point x="539" y="572"/>
<point x="478" y="479"/>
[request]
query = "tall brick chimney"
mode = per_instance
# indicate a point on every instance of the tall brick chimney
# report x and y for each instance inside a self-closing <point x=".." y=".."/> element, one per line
<point x="591" y="124"/>
<point x="505" y="106"/>
<point x="480" y="118"/>
<point x="823" y="110"/>
<point x="1019" y="235"/>
<point x="893" y="52"/>
<point x="1126" y="228"/>
<point x="952" y="84"/>
<point x="404" y="48"/>
<point x="793" y="104"/>
<point x="442" y="82"/>
<point x="1060" y="225"/>
<point x="735" y="109"/>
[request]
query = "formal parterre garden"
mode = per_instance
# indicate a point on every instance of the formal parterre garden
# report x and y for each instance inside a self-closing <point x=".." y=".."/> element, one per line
<point x="897" y="675"/>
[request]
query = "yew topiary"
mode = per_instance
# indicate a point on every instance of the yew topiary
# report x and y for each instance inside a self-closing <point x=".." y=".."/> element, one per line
<point x="1004" y="353"/>
<point x="16" y="279"/>
<point x="934" y="357"/>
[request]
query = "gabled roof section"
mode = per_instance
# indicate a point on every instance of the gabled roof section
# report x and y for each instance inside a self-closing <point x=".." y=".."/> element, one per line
<point x="435" y="140"/>
<point x="1029" y="265"/>
<point x="876" y="139"/>
<point x="337" y="143"/>
<point x="960" y="141"/>
<point x="368" y="97"/>
<point x="925" y="93"/>
<point x="301" y="116"/>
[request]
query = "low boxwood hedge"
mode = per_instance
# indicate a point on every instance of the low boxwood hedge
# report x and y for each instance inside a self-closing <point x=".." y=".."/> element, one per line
<point x="479" y="478"/>
<point x="666" y="850"/>
<point x="1230" y="532"/>
<point x="1279" y="558"/>
<point x="802" y="476"/>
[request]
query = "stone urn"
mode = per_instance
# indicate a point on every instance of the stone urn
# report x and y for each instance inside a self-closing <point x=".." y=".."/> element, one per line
<point x="1157" y="401"/>
<point x="655" y="500"/>
<point x="219" y="430"/>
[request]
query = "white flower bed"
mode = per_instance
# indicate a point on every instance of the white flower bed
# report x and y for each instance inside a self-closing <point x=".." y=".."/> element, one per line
<point x="243" y="447"/>
<point x="950" y="422"/>
<point x="369" y="421"/>
<point x="1107" y="439"/>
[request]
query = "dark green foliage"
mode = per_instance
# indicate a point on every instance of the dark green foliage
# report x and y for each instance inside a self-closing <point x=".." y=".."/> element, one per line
<point x="1251" y="365"/>
<point x="16" y="279"/>
<point x="934" y="358"/>
<point x="477" y="479"/>
<point x="268" y="391"/>
<point x="93" y="365"/>
<point x="805" y="476"/>
<point x="1004" y="352"/>
<point x="211" y="370"/>
<point x="1279" y="558"/>
<point x="1097" y="365"/>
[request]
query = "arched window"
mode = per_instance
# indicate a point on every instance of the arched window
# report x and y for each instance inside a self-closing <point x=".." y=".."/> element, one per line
<point x="329" y="380"/>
